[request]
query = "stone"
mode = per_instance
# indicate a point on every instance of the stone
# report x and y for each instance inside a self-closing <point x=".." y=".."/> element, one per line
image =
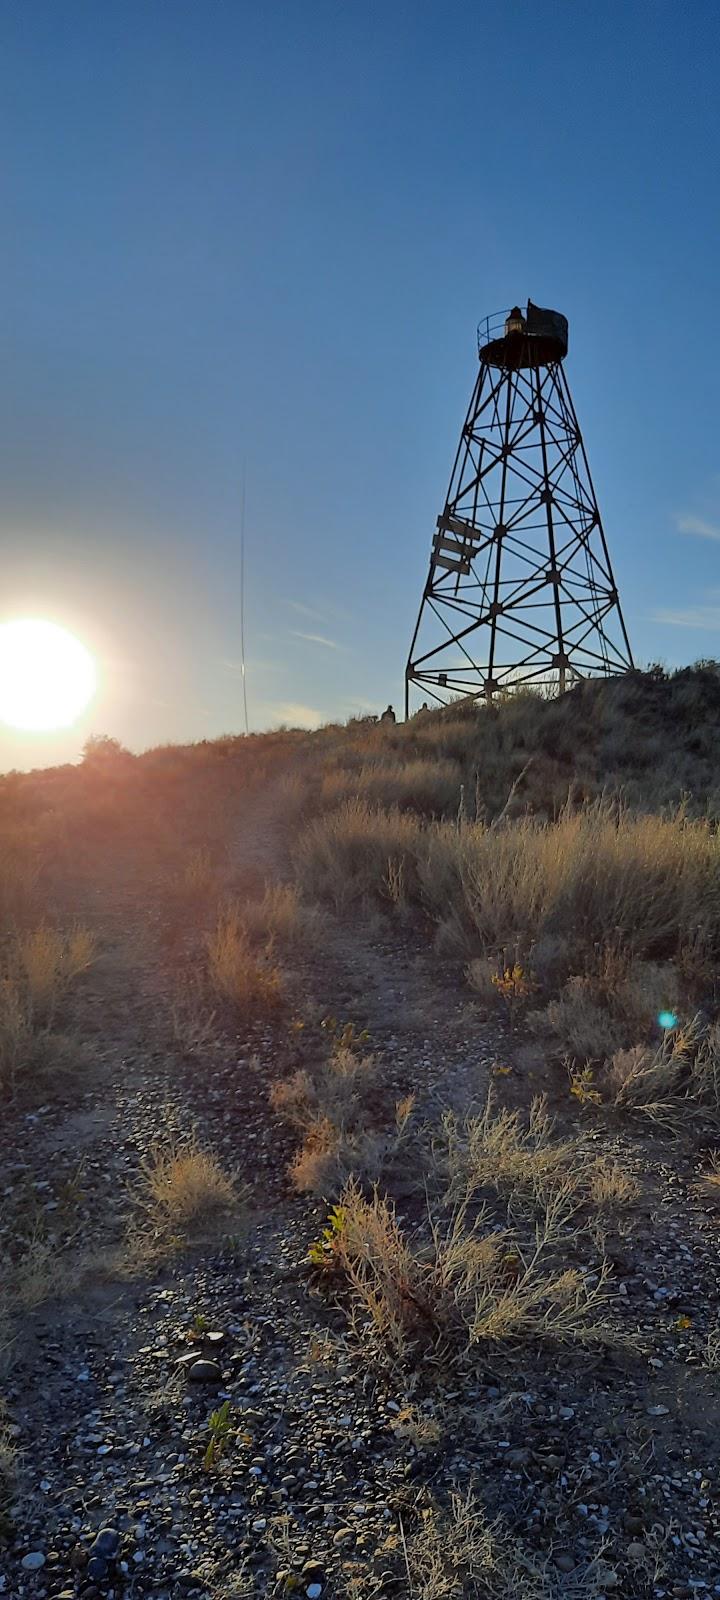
<point x="97" y="1568"/>
<point x="636" y="1551"/>
<point x="106" y="1543"/>
<point x="314" y="1591"/>
<point x="343" y="1536"/>
<point x="33" y="1561"/>
<point x="204" y="1371"/>
<point x="312" y="1572"/>
<point x="564" y="1561"/>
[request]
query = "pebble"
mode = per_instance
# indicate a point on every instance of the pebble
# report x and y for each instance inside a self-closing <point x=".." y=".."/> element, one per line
<point x="314" y="1591"/>
<point x="636" y="1551"/>
<point x="106" y="1543"/>
<point x="204" y="1371"/>
<point x="33" y="1561"/>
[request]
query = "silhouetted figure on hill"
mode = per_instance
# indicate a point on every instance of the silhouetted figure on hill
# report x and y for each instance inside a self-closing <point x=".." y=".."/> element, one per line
<point x="388" y="715"/>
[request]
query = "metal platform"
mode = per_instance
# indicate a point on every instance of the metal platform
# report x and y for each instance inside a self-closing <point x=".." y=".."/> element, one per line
<point x="517" y="339"/>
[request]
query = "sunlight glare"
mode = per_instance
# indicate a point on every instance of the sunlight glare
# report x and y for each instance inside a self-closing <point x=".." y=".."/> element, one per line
<point x="47" y="677"/>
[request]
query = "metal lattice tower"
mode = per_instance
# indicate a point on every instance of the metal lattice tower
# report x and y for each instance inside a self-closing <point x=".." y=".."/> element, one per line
<point x="520" y="588"/>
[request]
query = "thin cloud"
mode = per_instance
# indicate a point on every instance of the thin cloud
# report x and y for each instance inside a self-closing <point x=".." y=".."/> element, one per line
<point x="305" y="611"/>
<point x="316" y="638"/>
<point x="707" y="617"/>
<point x="298" y="716"/>
<point x="706" y="530"/>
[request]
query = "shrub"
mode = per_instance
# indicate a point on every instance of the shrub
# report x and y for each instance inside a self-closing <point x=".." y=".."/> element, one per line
<point x="677" y="1080"/>
<point x="427" y="787"/>
<point x="185" y="1185"/>
<point x="279" y="915"/>
<point x="344" y="857"/>
<point x="463" y="1285"/>
<point x="47" y="961"/>
<point x="246" y="981"/>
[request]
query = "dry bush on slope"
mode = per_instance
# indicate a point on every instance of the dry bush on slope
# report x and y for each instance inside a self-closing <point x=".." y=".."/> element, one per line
<point x="39" y="967"/>
<point x="184" y="1186"/>
<point x="248" y="982"/>
<point x="497" y="1151"/>
<point x="344" y="857"/>
<point x="47" y="961"/>
<point x="461" y="1283"/>
<point x="333" y="1106"/>
<point x="456" y="1551"/>
<point x="595" y="1016"/>
<point x="427" y="787"/>
<point x="595" y="878"/>
<point x="678" y="1080"/>
<point x="280" y="915"/>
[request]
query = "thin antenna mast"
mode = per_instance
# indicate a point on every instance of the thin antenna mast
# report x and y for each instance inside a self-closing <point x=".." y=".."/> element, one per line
<point x="242" y="598"/>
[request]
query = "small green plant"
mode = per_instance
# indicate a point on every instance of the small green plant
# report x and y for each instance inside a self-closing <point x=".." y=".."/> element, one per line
<point x="322" y="1251"/>
<point x="582" y="1087"/>
<point x="221" y="1431"/>
<point x="514" y="985"/>
<point x="199" y="1325"/>
<point x="344" y="1034"/>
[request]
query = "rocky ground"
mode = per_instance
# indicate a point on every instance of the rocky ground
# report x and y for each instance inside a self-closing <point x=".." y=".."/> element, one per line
<point x="332" y="1461"/>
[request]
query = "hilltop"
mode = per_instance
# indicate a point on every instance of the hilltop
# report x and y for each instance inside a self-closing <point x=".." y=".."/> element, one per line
<point x="360" y="1145"/>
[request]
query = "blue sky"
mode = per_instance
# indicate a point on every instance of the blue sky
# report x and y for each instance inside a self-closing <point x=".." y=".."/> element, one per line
<point x="265" y="233"/>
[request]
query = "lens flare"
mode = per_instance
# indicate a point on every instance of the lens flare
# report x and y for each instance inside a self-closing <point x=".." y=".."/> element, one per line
<point x="47" y="677"/>
<point x="667" y="1020"/>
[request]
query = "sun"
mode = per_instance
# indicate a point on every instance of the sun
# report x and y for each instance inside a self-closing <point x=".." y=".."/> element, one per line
<point x="47" y="677"/>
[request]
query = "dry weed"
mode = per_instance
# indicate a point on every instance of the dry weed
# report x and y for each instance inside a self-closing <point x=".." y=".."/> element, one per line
<point x="239" y="977"/>
<point x="462" y="1283"/>
<point x="46" y="961"/>
<point x="427" y="787"/>
<point x="457" y="1551"/>
<point x="712" y="1349"/>
<point x="608" y="1186"/>
<point x="344" y="856"/>
<point x="185" y="1187"/>
<point x="279" y="915"/>
<point x="496" y="1150"/>
<point x="198" y="876"/>
<point x="678" y="1079"/>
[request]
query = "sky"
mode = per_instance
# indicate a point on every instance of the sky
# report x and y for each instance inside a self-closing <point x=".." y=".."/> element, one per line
<point x="251" y="242"/>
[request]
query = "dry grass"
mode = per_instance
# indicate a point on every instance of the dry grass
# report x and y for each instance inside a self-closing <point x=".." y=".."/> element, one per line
<point x="241" y="978"/>
<point x="197" y="877"/>
<point x="712" y="1349"/>
<point x="333" y="1106"/>
<point x="599" y="877"/>
<point x="185" y="1187"/>
<point x="279" y="916"/>
<point x="38" y="1273"/>
<point x="597" y="1015"/>
<point x="456" y="1551"/>
<point x="344" y="857"/>
<point x="47" y="961"/>
<point x="9" y="1465"/>
<point x="680" y="1078"/>
<point x="450" y="1290"/>
<point x="20" y="869"/>
<point x="39" y="967"/>
<point x="430" y="788"/>
<point x="498" y="1151"/>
